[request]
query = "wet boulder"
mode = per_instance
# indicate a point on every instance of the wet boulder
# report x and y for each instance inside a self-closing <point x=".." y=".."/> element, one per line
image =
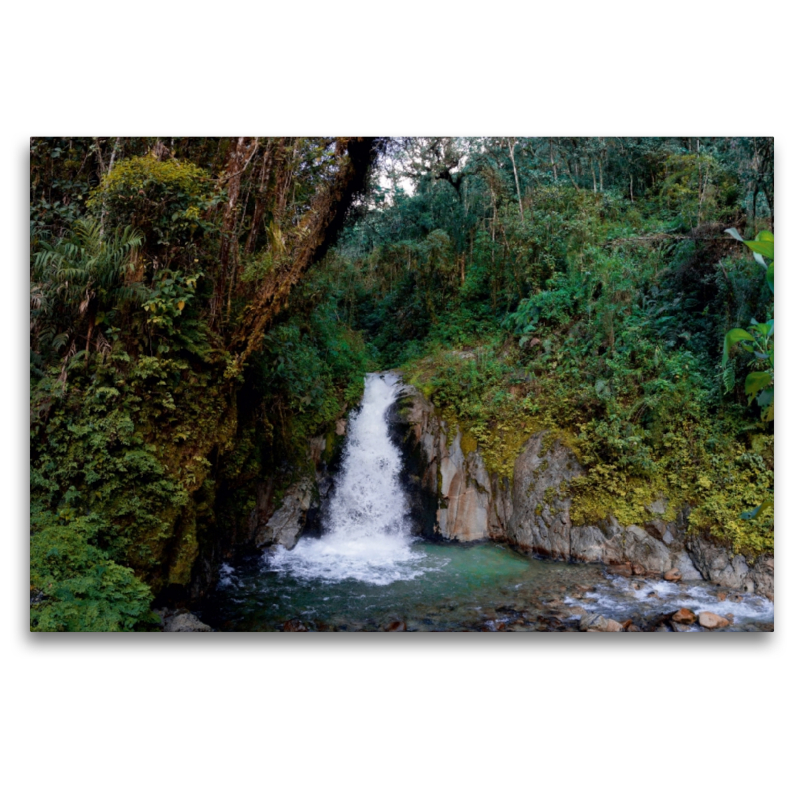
<point x="712" y="621"/>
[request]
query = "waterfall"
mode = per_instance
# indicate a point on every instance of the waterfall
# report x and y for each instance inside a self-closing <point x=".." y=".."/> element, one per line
<point x="366" y="534"/>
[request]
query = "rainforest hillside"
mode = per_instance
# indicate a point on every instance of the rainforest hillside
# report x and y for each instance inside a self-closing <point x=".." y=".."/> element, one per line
<point x="203" y="307"/>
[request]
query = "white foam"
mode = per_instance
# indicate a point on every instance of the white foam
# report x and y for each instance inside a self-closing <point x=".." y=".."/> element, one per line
<point x="624" y="599"/>
<point x="227" y="575"/>
<point x="367" y="536"/>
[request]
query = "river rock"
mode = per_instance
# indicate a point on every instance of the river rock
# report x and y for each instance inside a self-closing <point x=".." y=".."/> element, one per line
<point x="684" y="616"/>
<point x="710" y="620"/>
<point x="396" y="625"/>
<point x="596" y="623"/>
<point x="184" y="622"/>
<point x="672" y="575"/>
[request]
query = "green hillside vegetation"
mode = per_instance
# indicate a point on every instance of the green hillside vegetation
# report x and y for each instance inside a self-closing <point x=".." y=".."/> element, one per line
<point x="200" y="308"/>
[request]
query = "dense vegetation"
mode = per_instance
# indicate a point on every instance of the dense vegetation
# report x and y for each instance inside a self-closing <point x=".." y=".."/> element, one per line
<point x="167" y="370"/>
<point x="192" y="328"/>
<point x="584" y="286"/>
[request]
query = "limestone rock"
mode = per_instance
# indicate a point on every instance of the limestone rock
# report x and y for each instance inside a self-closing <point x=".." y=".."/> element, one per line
<point x="657" y="528"/>
<point x="540" y="521"/>
<point x="465" y="486"/>
<point x="286" y="524"/>
<point x="683" y="563"/>
<point x="710" y="620"/>
<point x="641" y="548"/>
<point x="589" y="543"/>
<point x="459" y="480"/>
<point x="718" y="564"/>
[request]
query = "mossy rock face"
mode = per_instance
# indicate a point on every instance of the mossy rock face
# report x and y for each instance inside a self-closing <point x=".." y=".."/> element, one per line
<point x="469" y="444"/>
<point x="180" y="570"/>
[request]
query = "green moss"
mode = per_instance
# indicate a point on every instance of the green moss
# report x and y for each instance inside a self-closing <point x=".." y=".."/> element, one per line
<point x="180" y="570"/>
<point x="469" y="444"/>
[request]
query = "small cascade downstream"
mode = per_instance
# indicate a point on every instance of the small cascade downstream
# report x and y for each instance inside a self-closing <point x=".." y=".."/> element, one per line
<point x="367" y="534"/>
<point x="367" y="571"/>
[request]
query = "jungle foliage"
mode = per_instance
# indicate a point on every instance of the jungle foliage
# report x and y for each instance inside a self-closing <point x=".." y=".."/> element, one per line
<point x="166" y="356"/>
<point x="584" y="286"/>
<point x="193" y="325"/>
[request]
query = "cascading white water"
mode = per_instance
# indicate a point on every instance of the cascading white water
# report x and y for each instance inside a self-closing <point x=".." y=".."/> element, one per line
<point x="367" y="536"/>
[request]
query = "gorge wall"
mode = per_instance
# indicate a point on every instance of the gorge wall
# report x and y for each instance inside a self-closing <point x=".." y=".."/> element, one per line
<point x="531" y="512"/>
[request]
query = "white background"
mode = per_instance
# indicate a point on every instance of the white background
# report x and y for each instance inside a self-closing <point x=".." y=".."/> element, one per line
<point x="422" y="716"/>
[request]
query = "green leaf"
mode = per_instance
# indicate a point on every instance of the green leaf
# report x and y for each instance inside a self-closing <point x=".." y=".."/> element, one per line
<point x="767" y="505"/>
<point x="766" y="249"/>
<point x="728" y="376"/>
<point x="765" y="236"/>
<point x="734" y="233"/>
<point x="771" y="277"/>
<point x="767" y="396"/>
<point x="755" y="382"/>
<point x="731" y="338"/>
<point x="764" y="328"/>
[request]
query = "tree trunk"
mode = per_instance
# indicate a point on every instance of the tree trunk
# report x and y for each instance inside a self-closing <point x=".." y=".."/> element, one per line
<point x="238" y="161"/>
<point x="512" y="143"/>
<point x="308" y="241"/>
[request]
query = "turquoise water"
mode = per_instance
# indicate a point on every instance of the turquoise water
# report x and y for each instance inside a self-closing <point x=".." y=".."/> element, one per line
<point x="456" y="587"/>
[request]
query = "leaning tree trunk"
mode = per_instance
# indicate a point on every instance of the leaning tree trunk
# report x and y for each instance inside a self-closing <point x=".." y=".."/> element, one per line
<point x="305" y="243"/>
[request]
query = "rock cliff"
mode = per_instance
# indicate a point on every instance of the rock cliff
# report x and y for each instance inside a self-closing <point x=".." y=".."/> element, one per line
<point x="532" y="511"/>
